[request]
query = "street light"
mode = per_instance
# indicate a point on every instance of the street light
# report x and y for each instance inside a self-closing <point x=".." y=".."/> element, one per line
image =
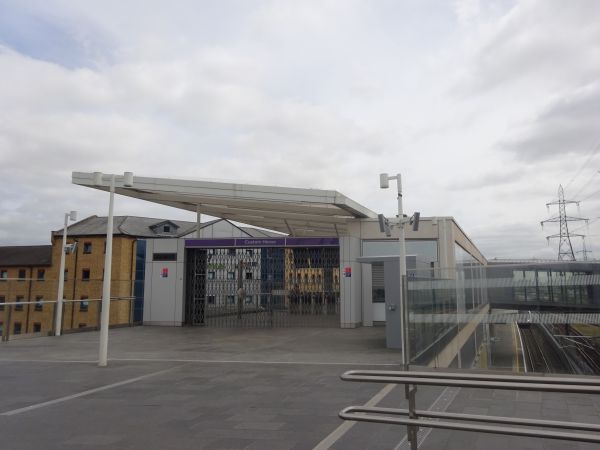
<point x="99" y="181"/>
<point x="61" y="274"/>
<point x="384" y="183"/>
<point x="410" y="390"/>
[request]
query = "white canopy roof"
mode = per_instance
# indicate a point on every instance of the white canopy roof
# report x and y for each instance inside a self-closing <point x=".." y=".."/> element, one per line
<point x="299" y="212"/>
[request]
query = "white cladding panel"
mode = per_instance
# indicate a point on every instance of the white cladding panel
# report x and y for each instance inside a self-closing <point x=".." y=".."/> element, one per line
<point x="163" y="293"/>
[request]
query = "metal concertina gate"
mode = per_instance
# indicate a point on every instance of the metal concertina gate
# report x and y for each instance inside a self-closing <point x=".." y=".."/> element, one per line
<point x="263" y="283"/>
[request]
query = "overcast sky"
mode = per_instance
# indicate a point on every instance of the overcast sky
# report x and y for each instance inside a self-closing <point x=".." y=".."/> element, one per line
<point x="485" y="107"/>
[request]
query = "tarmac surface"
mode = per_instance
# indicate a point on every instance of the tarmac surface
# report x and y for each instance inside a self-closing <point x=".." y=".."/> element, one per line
<point x="202" y="388"/>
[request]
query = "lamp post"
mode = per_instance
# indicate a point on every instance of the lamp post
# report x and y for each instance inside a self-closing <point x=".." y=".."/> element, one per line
<point x="105" y="317"/>
<point x="409" y="389"/>
<point x="61" y="275"/>
<point x="384" y="184"/>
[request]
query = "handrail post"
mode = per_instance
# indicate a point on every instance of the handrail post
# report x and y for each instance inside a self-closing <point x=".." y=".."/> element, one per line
<point x="410" y="390"/>
<point x="412" y="430"/>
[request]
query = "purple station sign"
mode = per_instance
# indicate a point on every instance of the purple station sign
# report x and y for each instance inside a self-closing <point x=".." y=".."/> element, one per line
<point x="263" y="242"/>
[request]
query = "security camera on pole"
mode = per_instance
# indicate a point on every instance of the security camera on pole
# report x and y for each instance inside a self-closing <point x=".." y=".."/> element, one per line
<point x="385" y="226"/>
<point x="61" y="274"/>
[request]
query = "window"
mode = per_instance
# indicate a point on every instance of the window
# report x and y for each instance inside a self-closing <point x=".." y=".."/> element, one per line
<point x="66" y="275"/>
<point x="41" y="274"/>
<point x="231" y="275"/>
<point x="22" y="274"/>
<point x="37" y="327"/>
<point x="19" y="299"/>
<point x="211" y="275"/>
<point x="231" y="300"/>
<point x="17" y="328"/>
<point x="84" y="304"/>
<point x="249" y="251"/>
<point x="39" y="306"/>
<point x="248" y="275"/>
<point x="231" y="251"/>
<point x="87" y="248"/>
<point x="164" y="257"/>
<point x="166" y="229"/>
<point x="210" y="299"/>
<point x="85" y="274"/>
<point x="2" y="301"/>
<point x="3" y="274"/>
<point x="248" y="300"/>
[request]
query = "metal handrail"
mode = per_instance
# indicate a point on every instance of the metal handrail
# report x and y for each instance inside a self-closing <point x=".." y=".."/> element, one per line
<point x="51" y="302"/>
<point x="525" y="427"/>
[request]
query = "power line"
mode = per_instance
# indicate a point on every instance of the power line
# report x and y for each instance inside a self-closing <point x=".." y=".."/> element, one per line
<point x="591" y="195"/>
<point x="596" y="172"/>
<point x="587" y="224"/>
<point x="593" y="151"/>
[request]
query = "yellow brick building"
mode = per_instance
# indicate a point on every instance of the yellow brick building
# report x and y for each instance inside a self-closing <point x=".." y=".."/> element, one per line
<point x="26" y="277"/>
<point x="30" y="274"/>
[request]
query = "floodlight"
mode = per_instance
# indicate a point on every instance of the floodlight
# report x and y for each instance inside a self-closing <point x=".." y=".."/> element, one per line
<point x="98" y="178"/>
<point x="128" y="179"/>
<point x="382" y="222"/>
<point x="384" y="225"/>
<point x="73" y="216"/>
<point x="384" y="181"/>
<point x="415" y="221"/>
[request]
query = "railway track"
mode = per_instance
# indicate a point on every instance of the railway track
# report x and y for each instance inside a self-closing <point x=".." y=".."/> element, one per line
<point x="540" y="352"/>
<point x="582" y="349"/>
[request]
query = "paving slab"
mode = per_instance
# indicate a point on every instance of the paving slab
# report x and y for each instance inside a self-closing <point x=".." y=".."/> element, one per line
<point x="201" y="388"/>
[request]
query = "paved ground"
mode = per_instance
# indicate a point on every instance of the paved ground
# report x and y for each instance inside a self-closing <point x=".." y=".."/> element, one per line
<point x="168" y="388"/>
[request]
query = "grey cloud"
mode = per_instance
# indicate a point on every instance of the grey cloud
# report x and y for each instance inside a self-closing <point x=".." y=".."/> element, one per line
<point x="513" y="240"/>
<point x="196" y="118"/>
<point x="503" y="176"/>
<point x="570" y="125"/>
<point x="551" y="40"/>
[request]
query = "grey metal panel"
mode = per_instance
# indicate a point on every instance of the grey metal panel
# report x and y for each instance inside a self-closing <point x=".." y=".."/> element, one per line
<point x="393" y="329"/>
<point x="165" y="245"/>
<point x="163" y="289"/>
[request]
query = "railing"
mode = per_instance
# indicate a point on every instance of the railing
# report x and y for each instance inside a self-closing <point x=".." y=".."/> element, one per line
<point x="414" y="418"/>
<point x="28" y="306"/>
<point x="47" y="318"/>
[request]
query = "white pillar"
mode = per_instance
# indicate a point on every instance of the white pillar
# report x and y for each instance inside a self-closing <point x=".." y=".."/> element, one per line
<point x="198" y="221"/>
<point x="61" y="281"/>
<point x="104" y="321"/>
<point x="402" y="263"/>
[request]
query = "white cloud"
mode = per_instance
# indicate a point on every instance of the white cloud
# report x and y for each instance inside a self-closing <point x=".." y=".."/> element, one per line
<point x="467" y="10"/>
<point x="309" y="94"/>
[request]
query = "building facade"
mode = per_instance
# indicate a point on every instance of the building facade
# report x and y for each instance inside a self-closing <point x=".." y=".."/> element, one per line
<point x="26" y="279"/>
<point x="29" y="274"/>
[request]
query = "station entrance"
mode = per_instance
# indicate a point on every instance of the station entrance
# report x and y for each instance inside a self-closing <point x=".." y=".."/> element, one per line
<point x="262" y="286"/>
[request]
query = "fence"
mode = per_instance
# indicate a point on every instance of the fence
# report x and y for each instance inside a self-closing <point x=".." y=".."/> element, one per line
<point x="28" y="307"/>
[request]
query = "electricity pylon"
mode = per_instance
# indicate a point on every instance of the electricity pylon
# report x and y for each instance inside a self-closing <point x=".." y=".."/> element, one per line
<point x="565" y="248"/>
